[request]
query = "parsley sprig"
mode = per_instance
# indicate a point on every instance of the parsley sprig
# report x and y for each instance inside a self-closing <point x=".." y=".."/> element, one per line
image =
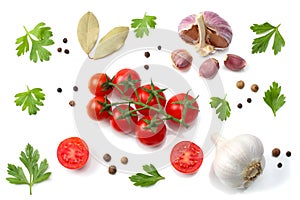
<point x="30" y="100"/>
<point x="145" y="180"/>
<point x="260" y="44"/>
<point x="39" y="37"/>
<point x="273" y="98"/>
<point x="37" y="172"/>
<point x="141" y="25"/>
<point x="222" y="107"/>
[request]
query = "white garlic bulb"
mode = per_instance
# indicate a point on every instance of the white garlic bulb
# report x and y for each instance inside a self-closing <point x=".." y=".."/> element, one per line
<point x="239" y="161"/>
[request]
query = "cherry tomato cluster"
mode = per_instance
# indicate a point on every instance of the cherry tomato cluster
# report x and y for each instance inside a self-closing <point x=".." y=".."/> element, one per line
<point x="142" y="109"/>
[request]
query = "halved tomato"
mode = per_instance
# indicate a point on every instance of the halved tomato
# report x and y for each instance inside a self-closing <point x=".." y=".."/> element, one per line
<point x="186" y="157"/>
<point x="73" y="153"/>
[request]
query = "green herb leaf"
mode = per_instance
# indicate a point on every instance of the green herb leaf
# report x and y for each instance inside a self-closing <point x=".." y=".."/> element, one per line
<point x="30" y="99"/>
<point x="39" y="37"/>
<point x="141" y="25"/>
<point x="260" y="44"/>
<point x="37" y="174"/>
<point x="222" y="107"/>
<point x="273" y="98"/>
<point x="145" y="180"/>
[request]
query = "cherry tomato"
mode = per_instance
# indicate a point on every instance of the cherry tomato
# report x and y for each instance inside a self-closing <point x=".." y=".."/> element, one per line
<point x="175" y="107"/>
<point x="94" y="108"/>
<point x="73" y="153"/>
<point x="148" y="136"/>
<point x="145" y="93"/>
<point x="99" y="84"/>
<point x="186" y="157"/>
<point x="122" y="81"/>
<point x="127" y="124"/>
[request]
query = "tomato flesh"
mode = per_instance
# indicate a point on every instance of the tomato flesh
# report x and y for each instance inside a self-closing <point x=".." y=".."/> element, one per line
<point x="186" y="157"/>
<point x="73" y="153"/>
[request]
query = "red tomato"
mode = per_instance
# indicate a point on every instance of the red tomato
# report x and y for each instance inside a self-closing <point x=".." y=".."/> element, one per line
<point x="121" y="80"/>
<point x="94" y="108"/>
<point x="125" y="125"/>
<point x="176" y="109"/>
<point x="73" y="153"/>
<point x="186" y="157"/>
<point x="144" y="94"/>
<point x="99" y="84"/>
<point x="148" y="136"/>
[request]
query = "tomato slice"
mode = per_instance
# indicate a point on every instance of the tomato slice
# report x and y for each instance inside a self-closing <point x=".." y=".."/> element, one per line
<point x="73" y="153"/>
<point x="186" y="157"/>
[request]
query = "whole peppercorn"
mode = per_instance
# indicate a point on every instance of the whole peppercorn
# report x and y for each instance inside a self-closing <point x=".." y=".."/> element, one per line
<point x="254" y="88"/>
<point x="124" y="160"/>
<point x="279" y="165"/>
<point x="65" y="40"/>
<point x="112" y="169"/>
<point x="275" y="152"/>
<point x="159" y="47"/>
<point x="240" y="84"/>
<point x="72" y="103"/>
<point x="288" y="154"/>
<point x="75" y="88"/>
<point x="240" y="105"/>
<point x="59" y="90"/>
<point x="146" y="67"/>
<point x="249" y="100"/>
<point x="59" y="49"/>
<point x="106" y="157"/>
<point x="147" y="54"/>
<point x="67" y="51"/>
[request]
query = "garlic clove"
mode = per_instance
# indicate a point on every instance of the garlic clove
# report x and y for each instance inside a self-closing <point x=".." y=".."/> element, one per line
<point x="206" y="31"/>
<point x="209" y="68"/>
<point x="234" y="62"/>
<point x="181" y="59"/>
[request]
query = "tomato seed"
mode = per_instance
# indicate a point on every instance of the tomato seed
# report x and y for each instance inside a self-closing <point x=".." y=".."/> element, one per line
<point x="275" y="152"/>
<point x="59" y="90"/>
<point x="279" y="165"/>
<point x="112" y="169"/>
<point x="124" y="160"/>
<point x="288" y="154"/>
<point x="147" y="54"/>
<point x="106" y="157"/>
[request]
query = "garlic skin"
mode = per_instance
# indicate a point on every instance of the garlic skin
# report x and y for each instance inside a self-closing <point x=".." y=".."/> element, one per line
<point x="207" y="31"/>
<point x="239" y="161"/>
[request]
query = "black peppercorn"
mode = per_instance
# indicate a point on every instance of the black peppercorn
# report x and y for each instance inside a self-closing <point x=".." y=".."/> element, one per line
<point x="59" y="49"/>
<point x="249" y="100"/>
<point x="112" y="169"/>
<point x="59" y="90"/>
<point x="279" y="165"/>
<point x="146" y="67"/>
<point x="288" y="154"/>
<point x="240" y="105"/>
<point x="75" y="88"/>
<point x="65" y="40"/>
<point x="67" y="51"/>
<point x="159" y="47"/>
<point x="147" y="54"/>
<point x="107" y="157"/>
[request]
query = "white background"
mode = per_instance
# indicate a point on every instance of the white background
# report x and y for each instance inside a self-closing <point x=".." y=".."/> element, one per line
<point x="55" y="120"/>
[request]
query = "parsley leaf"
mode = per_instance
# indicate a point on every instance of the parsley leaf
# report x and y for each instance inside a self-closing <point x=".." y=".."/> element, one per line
<point x="30" y="99"/>
<point x="39" y="37"/>
<point x="260" y="44"/>
<point x="273" y="98"/>
<point x="145" y="180"/>
<point x="222" y="107"/>
<point x="141" y="25"/>
<point x="37" y="174"/>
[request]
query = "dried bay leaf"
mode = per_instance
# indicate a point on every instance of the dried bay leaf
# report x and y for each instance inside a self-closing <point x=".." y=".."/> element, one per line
<point x="88" y="32"/>
<point x="111" y="42"/>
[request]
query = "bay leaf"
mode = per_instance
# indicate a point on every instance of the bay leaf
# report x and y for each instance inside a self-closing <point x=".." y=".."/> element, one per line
<point x="111" y="42"/>
<point x="88" y="32"/>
